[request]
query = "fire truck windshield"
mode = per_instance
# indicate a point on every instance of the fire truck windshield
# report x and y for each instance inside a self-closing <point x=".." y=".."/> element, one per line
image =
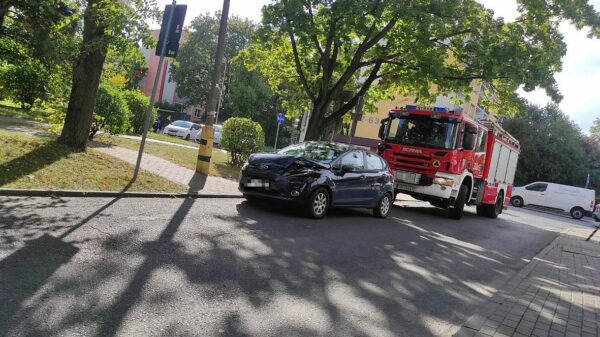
<point x="422" y="131"/>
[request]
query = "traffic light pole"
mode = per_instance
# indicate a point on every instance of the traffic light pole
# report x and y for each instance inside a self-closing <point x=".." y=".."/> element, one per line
<point x="153" y="96"/>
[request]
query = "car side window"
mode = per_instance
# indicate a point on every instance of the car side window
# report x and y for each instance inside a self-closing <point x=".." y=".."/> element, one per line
<point x="195" y="127"/>
<point x="537" y="187"/>
<point x="354" y="160"/>
<point x="374" y="163"/>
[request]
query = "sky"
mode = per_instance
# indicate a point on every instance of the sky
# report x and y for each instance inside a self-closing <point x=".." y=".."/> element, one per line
<point x="577" y="81"/>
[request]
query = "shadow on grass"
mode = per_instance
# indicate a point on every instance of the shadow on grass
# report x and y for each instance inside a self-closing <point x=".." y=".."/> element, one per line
<point x="38" y="158"/>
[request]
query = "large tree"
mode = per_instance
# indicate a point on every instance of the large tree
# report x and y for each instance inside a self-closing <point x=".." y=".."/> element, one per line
<point x="552" y="147"/>
<point x="328" y="50"/>
<point x="106" y="23"/>
<point x="195" y="61"/>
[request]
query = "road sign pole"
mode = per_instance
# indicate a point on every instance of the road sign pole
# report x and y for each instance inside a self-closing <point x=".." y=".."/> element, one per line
<point x="276" y="136"/>
<point x="153" y="96"/>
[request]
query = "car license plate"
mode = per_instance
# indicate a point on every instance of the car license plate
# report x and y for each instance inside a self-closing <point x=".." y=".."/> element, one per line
<point x="407" y="177"/>
<point x="405" y="187"/>
<point x="257" y="183"/>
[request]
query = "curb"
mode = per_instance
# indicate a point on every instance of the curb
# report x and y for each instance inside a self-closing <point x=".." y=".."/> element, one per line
<point x="110" y="194"/>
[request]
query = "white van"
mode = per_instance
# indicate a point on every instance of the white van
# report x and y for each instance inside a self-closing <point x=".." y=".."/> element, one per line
<point x="574" y="200"/>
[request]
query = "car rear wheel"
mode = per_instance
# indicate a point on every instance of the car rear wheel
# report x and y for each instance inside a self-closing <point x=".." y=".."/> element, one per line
<point x="456" y="211"/>
<point x="318" y="203"/>
<point x="577" y="213"/>
<point x="187" y="137"/>
<point x="516" y="201"/>
<point x="384" y="206"/>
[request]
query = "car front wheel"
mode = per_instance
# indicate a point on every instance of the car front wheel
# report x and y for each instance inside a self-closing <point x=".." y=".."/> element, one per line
<point x="384" y="206"/>
<point x="318" y="203"/>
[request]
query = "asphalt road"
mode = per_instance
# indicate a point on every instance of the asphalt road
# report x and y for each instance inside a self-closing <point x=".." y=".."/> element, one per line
<point x="205" y="267"/>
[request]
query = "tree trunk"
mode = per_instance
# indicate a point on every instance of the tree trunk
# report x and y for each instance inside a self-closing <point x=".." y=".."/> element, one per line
<point x="86" y="79"/>
<point x="4" y="6"/>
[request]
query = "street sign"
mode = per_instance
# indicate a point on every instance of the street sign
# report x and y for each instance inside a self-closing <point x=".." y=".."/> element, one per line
<point x="174" y="31"/>
<point x="280" y="118"/>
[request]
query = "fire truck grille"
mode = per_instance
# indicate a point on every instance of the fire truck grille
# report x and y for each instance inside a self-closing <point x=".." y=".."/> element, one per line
<point x="417" y="164"/>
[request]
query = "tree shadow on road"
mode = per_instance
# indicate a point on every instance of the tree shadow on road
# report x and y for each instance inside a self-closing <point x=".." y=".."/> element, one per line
<point x="346" y="275"/>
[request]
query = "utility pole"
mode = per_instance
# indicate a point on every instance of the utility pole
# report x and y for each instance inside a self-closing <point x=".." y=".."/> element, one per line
<point x="208" y="132"/>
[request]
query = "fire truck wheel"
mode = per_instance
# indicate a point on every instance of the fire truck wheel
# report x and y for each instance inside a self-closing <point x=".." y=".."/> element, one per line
<point x="577" y="213"/>
<point x="516" y="201"/>
<point x="456" y="211"/>
<point x="492" y="211"/>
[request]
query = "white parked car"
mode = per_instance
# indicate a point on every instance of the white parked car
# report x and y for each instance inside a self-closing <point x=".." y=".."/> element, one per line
<point x="576" y="201"/>
<point x="184" y="129"/>
<point x="217" y="136"/>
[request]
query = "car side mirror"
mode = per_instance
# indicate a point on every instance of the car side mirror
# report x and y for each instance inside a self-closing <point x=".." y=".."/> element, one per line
<point x="384" y="123"/>
<point x="347" y="168"/>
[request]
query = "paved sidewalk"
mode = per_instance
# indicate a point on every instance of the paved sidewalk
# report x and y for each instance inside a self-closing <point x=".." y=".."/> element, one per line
<point x="150" y="140"/>
<point x="556" y="294"/>
<point x="168" y="170"/>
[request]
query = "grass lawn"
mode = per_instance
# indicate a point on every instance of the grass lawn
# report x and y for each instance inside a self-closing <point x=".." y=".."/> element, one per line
<point x="179" y="155"/>
<point x="31" y="162"/>
<point x="170" y="139"/>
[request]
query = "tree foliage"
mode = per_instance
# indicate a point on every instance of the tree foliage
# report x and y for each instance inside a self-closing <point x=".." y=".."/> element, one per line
<point x="552" y="148"/>
<point x="25" y="82"/>
<point x="595" y="130"/>
<point x="121" y="25"/>
<point x="111" y="112"/>
<point x="195" y="60"/>
<point x="137" y="103"/>
<point x="241" y="137"/>
<point x="320" y="49"/>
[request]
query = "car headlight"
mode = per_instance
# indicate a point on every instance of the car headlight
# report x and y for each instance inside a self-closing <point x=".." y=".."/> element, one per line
<point x="443" y="181"/>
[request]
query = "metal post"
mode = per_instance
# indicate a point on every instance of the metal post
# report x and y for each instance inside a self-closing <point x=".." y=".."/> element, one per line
<point x="206" y="137"/>
<point x="153" y="96"/>
<point x="276" y="136"/>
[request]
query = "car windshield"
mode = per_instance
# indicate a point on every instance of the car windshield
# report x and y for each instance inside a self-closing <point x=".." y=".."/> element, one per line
<point x="422" y="131"/>
<point x="183" y="124"/>
<point x="324" y="152"/>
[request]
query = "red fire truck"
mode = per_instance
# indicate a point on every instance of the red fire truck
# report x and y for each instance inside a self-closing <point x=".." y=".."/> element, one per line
<point x="449" y="160"/>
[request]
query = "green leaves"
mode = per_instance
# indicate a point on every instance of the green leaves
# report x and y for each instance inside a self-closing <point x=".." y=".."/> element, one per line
<point x="241" y="137"/>
<point x="195" y="61"/>
<point x="111" y="112"/>
<point x="318" y="49"/>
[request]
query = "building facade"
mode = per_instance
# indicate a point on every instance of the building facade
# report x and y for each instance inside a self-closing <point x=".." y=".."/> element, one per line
<point x="167" y="89"/>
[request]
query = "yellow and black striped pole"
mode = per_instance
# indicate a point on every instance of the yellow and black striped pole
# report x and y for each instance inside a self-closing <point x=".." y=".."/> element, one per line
<point x="205" y="149"/>
<point x="208" y="132"/>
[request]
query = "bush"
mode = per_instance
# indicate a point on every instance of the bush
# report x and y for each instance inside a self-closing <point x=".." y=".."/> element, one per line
<point x="241" y="137"/>
<point x="25" y="82"/>
<point x="110" y="112"/>
<point x="137" y="103"/>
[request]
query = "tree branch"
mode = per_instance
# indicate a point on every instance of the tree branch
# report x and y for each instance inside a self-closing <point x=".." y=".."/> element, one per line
<point x="360" y="52"/>
<point x="460" y="32"/>
<point x="312" y="21"/>
<point x="373" y="75"/>
<point x="299" y="66"/>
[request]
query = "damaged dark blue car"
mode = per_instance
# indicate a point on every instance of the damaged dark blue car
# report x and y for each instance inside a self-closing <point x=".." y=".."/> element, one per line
<point x="318" y="176"/>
